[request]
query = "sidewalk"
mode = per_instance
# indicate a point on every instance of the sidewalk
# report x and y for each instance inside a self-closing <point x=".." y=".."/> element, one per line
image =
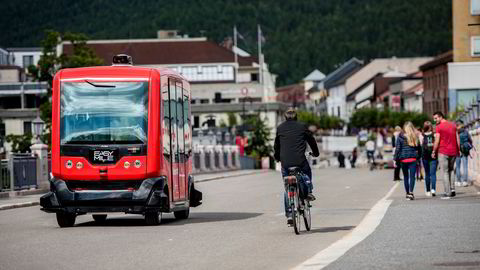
<point x="30" y="199"/>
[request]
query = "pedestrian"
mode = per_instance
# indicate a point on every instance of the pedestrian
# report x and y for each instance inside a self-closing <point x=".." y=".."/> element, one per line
<point x="407" y="153"/>
<point x="462" y="159"/>
<point x="370" y="145"/>
<point x="341" y="159"/>
<point x="447" y="144"/>
<point x="429" y="163"/>
<point x="396" y="173"/>
<point x="419" y="134"/>
<point x="354" y="157"/>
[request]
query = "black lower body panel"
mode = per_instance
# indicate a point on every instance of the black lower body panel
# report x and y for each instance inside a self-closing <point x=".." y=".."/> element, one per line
<point x="150" y="196"/>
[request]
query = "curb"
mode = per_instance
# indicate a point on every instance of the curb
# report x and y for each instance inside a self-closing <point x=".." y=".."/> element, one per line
<point x="18" y="205"/>
<point x="13" y="194"/>
<point x="230" y="176"/>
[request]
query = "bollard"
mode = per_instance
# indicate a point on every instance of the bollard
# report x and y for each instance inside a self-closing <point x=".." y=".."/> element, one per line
<point x="210" y="157"/>
<point x="219" y="151"/>
<point x="236" y="152"/>
<point x="203" y="165"/>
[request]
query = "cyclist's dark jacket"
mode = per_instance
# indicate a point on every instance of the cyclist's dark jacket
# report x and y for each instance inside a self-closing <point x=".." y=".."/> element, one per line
<point x="290" y="143"/>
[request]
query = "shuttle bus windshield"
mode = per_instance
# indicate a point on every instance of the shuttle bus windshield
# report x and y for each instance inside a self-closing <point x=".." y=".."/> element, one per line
<point x="103" y="112"/>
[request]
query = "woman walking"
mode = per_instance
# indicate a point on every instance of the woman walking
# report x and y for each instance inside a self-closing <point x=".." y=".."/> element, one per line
<point x="407" y="153"/>
<point x="429" y="163"/>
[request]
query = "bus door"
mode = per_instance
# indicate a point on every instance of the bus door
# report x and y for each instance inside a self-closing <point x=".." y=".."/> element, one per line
<point x="180" y="142"/>
<point x="174" y="151"/>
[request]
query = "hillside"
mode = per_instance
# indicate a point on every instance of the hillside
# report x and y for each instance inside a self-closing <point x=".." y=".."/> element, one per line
<point x="300" y="35"/>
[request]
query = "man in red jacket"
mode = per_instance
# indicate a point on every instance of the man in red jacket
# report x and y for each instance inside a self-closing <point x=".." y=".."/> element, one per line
<point x="447" y="144"/>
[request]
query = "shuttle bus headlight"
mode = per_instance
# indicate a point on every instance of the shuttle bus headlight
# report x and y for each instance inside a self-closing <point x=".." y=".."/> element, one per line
<point x="137" y="164"/>
<point x="79" y="165"/>
<point x="69" y="164"/>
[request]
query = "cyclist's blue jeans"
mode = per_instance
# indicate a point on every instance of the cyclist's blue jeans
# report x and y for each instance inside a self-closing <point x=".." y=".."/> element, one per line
<point x="305" y="181"/>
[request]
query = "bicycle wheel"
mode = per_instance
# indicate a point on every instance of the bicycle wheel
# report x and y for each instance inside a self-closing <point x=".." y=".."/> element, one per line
<point x="307" y="218"/>
<point x="295" y="211"/>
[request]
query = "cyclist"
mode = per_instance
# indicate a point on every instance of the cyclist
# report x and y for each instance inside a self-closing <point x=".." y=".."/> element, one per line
<point x="290" y="145"/>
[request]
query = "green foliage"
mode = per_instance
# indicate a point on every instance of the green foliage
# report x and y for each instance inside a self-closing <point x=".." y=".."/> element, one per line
<point x="374" y="118"/>
<point x="20" y="143"/>
<point x="323" y="121"/>
<point x="232" y="119"/>
<point x="259" y="141"/>
<point x="300" y="35"/>
<point x="50" y="63"/>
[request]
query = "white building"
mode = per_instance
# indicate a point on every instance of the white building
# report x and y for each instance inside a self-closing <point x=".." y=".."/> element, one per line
<point x="335" y="86"/>
<point x="24" y="57"/>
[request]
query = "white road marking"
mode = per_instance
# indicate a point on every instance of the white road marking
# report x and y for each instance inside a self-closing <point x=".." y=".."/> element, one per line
<point x="362" y="231"/>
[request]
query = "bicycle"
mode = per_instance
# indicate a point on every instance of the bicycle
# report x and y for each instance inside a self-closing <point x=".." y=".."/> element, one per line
<point x="296" y="195"/>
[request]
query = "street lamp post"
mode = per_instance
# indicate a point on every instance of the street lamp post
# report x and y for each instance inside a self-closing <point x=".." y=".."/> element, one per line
<point x="38" y="125"/>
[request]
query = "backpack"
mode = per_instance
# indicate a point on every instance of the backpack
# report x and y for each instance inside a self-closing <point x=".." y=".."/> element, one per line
<point x="427" y="145"/>
<point x="465" y="145"/>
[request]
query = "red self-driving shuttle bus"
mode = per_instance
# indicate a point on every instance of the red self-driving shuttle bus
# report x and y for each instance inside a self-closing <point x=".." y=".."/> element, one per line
<point x="121" y="142"/>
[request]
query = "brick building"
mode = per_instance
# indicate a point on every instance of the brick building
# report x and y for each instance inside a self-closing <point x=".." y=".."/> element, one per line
<point x="435" y="84"/>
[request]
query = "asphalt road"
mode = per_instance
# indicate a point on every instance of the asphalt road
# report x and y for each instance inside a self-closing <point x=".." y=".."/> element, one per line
<point x="427" y="233"/>
<point x="239" y="226"/>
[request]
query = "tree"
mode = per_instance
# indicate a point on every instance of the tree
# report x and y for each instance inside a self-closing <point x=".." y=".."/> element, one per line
<point x="232" y="119"/>
<point x="374" y="118"/>
<point x="50" y="63"/>
<point x="258" y="145"/>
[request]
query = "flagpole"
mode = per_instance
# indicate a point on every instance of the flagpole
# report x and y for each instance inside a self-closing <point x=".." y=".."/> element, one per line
<point x="234" y="51"/>
<point x="260" y="58"/>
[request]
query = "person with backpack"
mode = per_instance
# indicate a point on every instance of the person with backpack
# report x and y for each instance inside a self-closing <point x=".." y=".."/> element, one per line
<point x="466" y="144"/>
<point x="429" y="162"/>
<point x="407" y="153"/>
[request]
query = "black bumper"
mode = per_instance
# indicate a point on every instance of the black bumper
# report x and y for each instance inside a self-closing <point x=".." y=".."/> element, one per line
<point x="150" y="196"/>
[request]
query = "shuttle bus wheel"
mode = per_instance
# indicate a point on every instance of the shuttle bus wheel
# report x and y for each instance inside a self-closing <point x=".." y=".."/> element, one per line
<point x="99" y="218"/>
<point x="183" y="214"/>
<point x="65" y="219"/>
<point x="153" y="218"/>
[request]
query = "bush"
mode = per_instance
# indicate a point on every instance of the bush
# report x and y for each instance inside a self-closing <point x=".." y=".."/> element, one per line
<point x="374" y="118"/>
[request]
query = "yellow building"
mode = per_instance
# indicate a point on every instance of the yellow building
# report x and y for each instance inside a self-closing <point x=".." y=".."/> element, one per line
<point x="463" y="79"/>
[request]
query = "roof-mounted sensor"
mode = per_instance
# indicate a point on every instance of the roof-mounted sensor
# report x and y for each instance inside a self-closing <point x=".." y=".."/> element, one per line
<point x="122" y="59"/>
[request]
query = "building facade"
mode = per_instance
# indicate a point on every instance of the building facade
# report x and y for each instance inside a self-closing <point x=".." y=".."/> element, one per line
<point x="463" y="79"/>
<point x="435" y="84"/>
<point x="336" y="100"/>
<point x="24" y="57"/>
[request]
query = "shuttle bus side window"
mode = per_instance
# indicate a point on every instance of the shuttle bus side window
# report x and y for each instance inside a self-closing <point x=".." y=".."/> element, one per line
<point x="186" y="120"/>
<point x="166" y="122"/>
<point x="173" y="121"/>
<point x="181" y="137"/>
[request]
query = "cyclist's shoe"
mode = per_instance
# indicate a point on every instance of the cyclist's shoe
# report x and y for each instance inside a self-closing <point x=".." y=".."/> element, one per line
<point x="289" y="221"/>
<point x="310" y="197"/>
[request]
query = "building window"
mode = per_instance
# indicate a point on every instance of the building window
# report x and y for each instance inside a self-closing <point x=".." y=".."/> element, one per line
<point x="254" y="77"/>
<point x="476" y="46"/>
<point x="27" y="127"/>
<point x="338" y="111"/>
<point x="475" y="7"/>
<point x="196" y="121"/>
<point x="204" y="101"/>
<point x="27" y="60"/>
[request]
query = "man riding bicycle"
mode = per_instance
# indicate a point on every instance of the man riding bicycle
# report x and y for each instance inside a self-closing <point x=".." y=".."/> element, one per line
<point x="290" y="146"/>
